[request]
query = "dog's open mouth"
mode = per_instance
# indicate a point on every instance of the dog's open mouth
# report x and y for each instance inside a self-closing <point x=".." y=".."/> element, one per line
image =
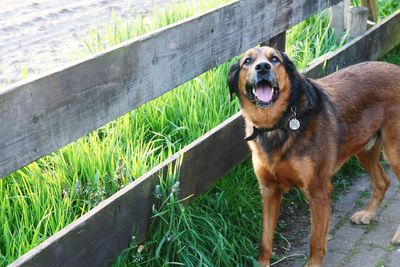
<point x="263" y="94"/>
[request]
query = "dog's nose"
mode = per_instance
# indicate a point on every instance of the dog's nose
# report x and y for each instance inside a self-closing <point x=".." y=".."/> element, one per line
<point x="263" y="67"/>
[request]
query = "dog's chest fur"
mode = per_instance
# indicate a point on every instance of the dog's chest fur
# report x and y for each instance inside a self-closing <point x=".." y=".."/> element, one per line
<point x="288" y="171"/>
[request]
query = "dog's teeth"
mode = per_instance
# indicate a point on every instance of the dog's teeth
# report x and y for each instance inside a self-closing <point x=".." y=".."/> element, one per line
<point x="254" y="91"/>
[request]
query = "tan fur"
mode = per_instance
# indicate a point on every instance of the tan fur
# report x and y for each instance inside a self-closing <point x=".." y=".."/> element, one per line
<point x="364" y="114"/>
<point x="258" y="116"/>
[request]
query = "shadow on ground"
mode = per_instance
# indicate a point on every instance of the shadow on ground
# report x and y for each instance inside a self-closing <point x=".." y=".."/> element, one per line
<point x="354" y="245"/>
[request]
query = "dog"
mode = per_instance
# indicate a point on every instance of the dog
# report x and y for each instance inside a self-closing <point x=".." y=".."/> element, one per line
<point x="301" y="131"/>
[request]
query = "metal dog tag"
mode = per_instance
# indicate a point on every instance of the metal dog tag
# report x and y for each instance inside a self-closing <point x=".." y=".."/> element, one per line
<point x="294" y="124"/>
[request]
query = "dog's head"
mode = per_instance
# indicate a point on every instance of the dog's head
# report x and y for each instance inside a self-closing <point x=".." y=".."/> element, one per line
<point x="262" y="81"/>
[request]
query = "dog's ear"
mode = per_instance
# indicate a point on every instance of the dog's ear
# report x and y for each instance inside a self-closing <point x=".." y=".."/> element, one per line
<point x="299" y="82"/>
<point x="233" y="80"/>
<point x="291" y="70"/>
<point x="288" y="63"/>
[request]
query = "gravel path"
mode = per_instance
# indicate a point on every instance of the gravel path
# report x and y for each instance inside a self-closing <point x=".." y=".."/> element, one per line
<point x="358" y="245"/>
<point x="42" y="34"/>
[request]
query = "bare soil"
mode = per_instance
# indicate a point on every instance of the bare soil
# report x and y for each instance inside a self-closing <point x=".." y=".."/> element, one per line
<point x="42" y="34"/>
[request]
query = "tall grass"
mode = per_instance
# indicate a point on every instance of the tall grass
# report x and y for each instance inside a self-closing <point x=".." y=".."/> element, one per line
<point x="220" y="229"/>
<point x="124" y="29"/>
<point x="45" y="196"/>
<point x="385" y="7"/>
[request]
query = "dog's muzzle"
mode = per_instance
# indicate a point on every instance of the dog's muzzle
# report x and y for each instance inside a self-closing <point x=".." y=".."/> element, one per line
<point x="263" y="89"/>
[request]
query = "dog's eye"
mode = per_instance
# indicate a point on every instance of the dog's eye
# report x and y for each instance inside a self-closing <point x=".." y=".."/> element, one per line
<point x="248" y="60"/>
<point x="274" y="60"/>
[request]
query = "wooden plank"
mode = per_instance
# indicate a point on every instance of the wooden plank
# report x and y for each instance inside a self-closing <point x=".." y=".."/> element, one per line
<point x="278" y="41"/>
<point x="98" y="236"/>
<point x="101" y="234"/>
<point x="43" y="114"/>
<point x="371" y="45"/>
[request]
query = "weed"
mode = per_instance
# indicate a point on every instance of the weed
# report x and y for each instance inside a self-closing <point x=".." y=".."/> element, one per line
<point x="221" y="228"/>
<point x="381" y="263"/>
<point x="351" y="254"/>
<point x="371" y="227"/>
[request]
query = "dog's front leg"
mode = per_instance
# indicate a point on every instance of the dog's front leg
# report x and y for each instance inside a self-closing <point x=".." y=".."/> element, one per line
<point x="271" y="198"/>
<point x="320" y="209"/>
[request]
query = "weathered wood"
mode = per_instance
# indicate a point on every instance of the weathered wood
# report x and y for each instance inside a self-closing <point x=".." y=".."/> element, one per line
<point x="372" y="9"/>
<point x="347" y="4"/>
<point x="278" y="41"/>
<point x="340" y="15"/>
<point x="98" y="236"/>
<point x="338" y="18"/>
<point x="43" y="114"/>
<point x="371" y="45"/>
<point x="357" y="21"/>
<point x="101" y="234"/>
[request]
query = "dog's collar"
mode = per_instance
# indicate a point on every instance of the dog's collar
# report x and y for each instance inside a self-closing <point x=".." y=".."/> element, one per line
<point x="294" y="124"/>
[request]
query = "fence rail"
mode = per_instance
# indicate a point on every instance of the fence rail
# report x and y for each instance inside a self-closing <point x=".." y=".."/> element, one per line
<point x="99" y="236"/>
<point x="44" y="114"/>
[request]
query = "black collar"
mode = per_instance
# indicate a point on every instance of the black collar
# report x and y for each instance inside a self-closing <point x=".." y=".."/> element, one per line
<point x="278" y="125"/>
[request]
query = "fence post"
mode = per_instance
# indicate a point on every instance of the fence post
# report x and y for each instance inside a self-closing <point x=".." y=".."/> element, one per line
<point x="338" y="18"/>
<point x="278" y="41"/>
<point x="339" y="15"/>
<point x="357" y="23"/>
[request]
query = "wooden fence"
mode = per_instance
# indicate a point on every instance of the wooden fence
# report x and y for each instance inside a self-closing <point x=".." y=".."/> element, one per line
<point x="43" y="114"/>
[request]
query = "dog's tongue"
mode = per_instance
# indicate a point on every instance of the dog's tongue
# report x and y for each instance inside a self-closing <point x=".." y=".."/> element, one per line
<point x="264" y="93"/>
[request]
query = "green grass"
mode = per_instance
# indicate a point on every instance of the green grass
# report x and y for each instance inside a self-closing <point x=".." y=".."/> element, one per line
<point x="393" y="56"/>
<point x="221" y="228"/>
<point x="381" y="263"/>
<point x="385" y="7"/>
<point x="206" y="233"/>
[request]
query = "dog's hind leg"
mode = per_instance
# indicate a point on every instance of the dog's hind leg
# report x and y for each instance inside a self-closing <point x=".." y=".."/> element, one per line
<point x="391" y="148"/>
<point x="370" y="160"/>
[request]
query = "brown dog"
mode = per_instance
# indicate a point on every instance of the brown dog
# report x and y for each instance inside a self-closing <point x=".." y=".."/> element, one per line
<point x="301" y="131"/>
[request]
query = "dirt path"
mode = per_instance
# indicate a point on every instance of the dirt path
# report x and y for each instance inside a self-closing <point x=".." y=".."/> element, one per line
<point x="358" y="245"/>
<point x="42" y="34"/>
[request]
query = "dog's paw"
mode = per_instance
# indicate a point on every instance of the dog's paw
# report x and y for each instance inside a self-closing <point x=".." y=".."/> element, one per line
<point x="263" y="261"/>
<point x="396" y="238"/>
<point x="363" y="217"/>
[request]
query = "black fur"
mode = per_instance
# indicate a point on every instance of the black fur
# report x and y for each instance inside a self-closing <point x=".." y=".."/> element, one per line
<point x="304" y="96"/>
<point x="233" y="80"/>
<point x="273" y="140"/>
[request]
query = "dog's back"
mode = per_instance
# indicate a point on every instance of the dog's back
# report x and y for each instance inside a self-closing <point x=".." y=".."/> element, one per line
<point x="367" y="82"/>
<point x="366" y="98"/>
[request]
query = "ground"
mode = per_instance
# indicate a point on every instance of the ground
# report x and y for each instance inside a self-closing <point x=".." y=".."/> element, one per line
<point x="40" y="35"/>
<point x="349" y="244"/>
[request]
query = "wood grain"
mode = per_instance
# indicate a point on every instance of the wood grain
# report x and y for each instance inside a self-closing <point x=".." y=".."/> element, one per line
<point x="100" y="235"/>
<point x="97" y="238"/>
<point x="277" y="42"/>
<point x="371" y="45"/>
<point x="43" y="114"/>
<point x="357" y="23"/>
